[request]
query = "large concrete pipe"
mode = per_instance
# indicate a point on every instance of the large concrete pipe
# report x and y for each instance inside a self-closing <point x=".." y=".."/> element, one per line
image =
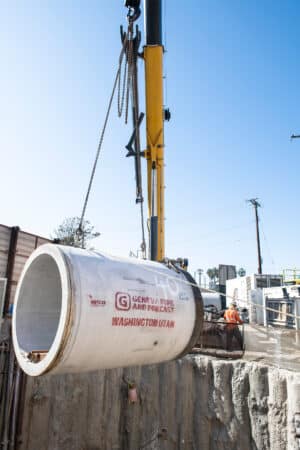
<point x="77" y="310"/>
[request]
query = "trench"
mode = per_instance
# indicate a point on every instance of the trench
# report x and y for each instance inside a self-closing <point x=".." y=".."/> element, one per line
<point x="194" y="403"/>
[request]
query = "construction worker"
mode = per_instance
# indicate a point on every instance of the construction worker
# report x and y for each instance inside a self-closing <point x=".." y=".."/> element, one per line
<point x="232" y="318"/>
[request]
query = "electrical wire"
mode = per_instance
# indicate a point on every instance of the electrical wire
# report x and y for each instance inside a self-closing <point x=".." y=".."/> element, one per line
<point x="216" y="232"/>
<point x="267" y="244"/>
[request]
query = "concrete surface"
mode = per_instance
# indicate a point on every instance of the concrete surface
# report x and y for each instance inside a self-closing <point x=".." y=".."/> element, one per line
<point x="275" y="347"/>
<point x="196" y="403"/>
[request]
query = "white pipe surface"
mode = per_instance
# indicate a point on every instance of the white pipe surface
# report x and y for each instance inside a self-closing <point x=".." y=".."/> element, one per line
<point x="77" y="310"/>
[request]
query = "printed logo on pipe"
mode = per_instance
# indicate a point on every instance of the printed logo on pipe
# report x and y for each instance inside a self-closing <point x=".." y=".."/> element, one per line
<point x="96" y="301"/>
<point x="122" y="301"/>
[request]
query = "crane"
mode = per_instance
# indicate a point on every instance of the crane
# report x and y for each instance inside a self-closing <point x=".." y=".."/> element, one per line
<point x="126" y="82"/>
<point x="152" y="56"/>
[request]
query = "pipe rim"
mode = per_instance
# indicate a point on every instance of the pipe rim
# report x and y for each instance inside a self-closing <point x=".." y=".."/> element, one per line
<point x="41" y="367"/>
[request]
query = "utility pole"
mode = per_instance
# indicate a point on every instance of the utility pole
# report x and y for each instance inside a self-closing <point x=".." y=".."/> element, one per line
<point x="256" y="204"/>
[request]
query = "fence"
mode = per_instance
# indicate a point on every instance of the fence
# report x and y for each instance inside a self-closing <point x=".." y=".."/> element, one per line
<point x="221" y="336"/>
<point x="15" y="247"/>
<point x="277" y="310"/>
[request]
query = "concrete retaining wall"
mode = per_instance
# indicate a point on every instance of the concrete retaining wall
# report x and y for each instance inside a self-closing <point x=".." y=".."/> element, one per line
<point x="195" y="403"/>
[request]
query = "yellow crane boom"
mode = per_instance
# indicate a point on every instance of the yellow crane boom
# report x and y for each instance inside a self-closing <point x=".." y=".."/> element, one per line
<point x="153" y="57"/>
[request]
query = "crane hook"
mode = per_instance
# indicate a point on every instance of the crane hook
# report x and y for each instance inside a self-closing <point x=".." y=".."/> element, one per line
<point x="134" y="10"/>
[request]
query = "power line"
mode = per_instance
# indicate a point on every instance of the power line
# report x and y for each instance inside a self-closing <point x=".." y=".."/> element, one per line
<point x="214" y="233"/>
<point x="267" y="244"/>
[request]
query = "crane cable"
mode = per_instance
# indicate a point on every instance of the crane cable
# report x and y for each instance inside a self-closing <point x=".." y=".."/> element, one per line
<point x="125" y="87"/>
<point x="80" y="230"/>
<point x="127" y="47"/>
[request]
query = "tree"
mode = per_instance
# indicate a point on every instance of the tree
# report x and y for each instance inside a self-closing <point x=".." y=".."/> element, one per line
<point x="68" y="233"/>
<point x="213" y="274"/>
<point x="241" y="272"/>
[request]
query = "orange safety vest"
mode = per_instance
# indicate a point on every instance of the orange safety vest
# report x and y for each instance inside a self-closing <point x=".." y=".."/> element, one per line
<point x="232" y="316"/>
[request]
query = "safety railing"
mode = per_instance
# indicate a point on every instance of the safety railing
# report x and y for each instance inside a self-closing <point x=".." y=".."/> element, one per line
<point x="218" y="335"/>
<point x="291" y="276"/>
<point x="295" y="316"/>
<point x="277" y="310"/>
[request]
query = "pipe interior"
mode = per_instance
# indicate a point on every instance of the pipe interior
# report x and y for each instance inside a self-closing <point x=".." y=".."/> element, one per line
<point x="39" y="305"/>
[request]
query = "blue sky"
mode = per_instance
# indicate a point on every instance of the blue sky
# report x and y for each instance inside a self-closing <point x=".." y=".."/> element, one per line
<point x="232" y="85"/>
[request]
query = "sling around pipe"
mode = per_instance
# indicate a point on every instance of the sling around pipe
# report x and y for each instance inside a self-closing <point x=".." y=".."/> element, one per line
<point x="77" y="310"/>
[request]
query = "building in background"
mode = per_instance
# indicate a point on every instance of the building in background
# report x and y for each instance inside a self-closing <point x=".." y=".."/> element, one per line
<point x="281" y="306"/>
<point x="247" y="291"/>
<point x="226" y="272"/>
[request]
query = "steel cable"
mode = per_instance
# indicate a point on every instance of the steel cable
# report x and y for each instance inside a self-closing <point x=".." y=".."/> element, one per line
<point x="124" y="86"/>
<point x="117" y="78"/>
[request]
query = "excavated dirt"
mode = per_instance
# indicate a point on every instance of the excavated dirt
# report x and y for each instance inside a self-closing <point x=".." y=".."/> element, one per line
<point x="196" y="403"/>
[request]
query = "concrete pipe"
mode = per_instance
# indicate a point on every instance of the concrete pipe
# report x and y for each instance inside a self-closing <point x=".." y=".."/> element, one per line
<point x="77" y="310"/>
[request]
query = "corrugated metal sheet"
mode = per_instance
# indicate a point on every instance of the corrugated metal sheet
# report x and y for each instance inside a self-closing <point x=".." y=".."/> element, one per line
<point x="42" y="241"/>
<point x="26" y="244"/>
<point x="5" y="233"/>
<point x="3" y="265"/>
<point x="18" y="267"/>
<point x="3" y="282"/>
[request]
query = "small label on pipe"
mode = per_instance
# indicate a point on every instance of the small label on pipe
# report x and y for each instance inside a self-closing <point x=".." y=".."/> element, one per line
<point x="96" y="302"/>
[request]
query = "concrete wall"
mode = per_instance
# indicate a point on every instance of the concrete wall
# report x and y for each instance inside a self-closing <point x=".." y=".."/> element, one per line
<point x="202" y="403"/>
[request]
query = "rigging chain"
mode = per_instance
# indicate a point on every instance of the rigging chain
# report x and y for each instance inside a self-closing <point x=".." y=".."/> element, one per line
<point x="132" y="84"/>
<point x="135" y="101"/>
<point x="123" y="97"/>
<point x="80" y="230"/>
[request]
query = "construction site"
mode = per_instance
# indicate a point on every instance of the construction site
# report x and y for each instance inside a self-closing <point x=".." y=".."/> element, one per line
<point x="102" y="352"/>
